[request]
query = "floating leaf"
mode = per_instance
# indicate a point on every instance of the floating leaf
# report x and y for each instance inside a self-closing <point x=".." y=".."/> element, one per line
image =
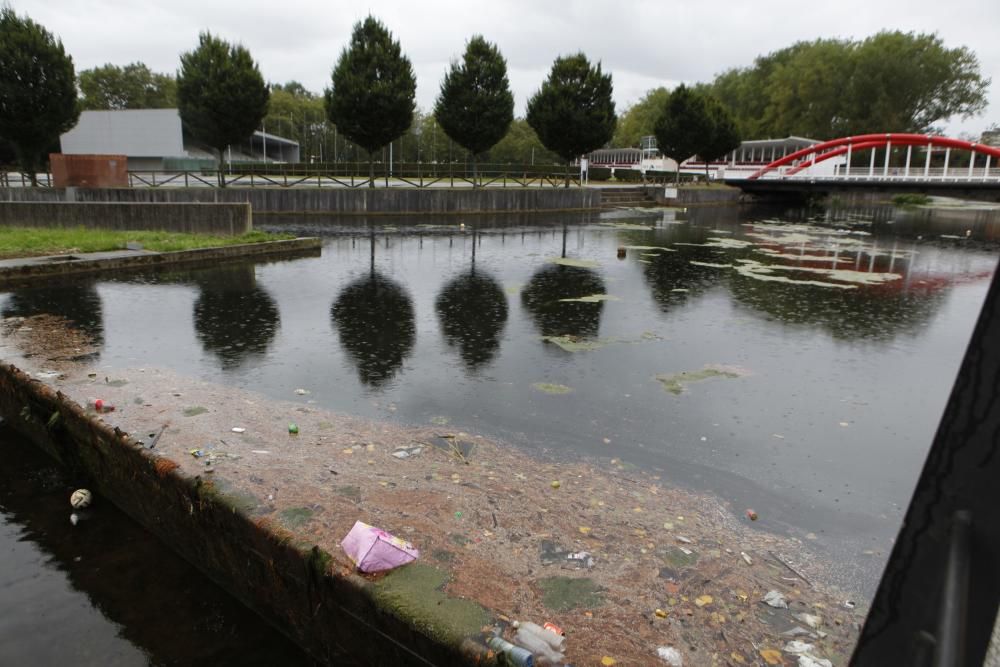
<point x="585" y="530"/>
<point x="607" y="661"/>
<point x="703" y="600"/>
<point x="771" y="656"/>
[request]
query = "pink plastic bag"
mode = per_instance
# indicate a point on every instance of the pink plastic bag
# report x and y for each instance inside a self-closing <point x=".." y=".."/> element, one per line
<point x="374" y="550"/>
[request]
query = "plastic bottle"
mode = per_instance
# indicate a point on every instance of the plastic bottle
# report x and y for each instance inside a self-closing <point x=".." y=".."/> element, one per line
<point x="555" y="641"/>
<point x="517" y="655"/>
<point x="537" y="645"/>
<point x="100" y="405"/>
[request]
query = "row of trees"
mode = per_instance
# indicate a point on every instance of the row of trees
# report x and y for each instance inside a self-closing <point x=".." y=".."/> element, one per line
<point x="890" y="82"/>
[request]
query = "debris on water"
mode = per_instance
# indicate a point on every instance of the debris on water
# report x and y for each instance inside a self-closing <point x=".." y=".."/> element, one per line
<point x="578" y="263"/>
<point x="81" y="499"/>
<point x="581" y="559"/>
<point x="771" y="656"/>
<point x="259" y="451"/>
<point x="811" y="620"/>
<point x="194" y="411"/>
<point x="711" y="265"/>
<point x="302" y="392"/>
<point x="100" y="405"/>
<point x="746" y="558"/>
<point x="552" y="388"/>
<point x="197" y="453"/>
<point x="677" y="383"/>
<point x="440" y="420"/>
<point x="516" y="655"/>
<point x="555" y="484"/>
<point x="575" y="343"/>
<point x="293" y="429"/>
<point x="593" y="298"/>
<point x="607" y="661"/>
<point x="239" y="429"/>
<point x="684" y="540"/>
<point x="584" y="530"/>
<point x="850" y="604"/>
<point x="751" y="514"/>
<point x="703" y="600"/>
<point x="659" y="613"/>
<point x="375" y="550"/>
<point x="795" y="647"/>
<point x="670" y="655"/>
<point x="809" y="660"/>
<point x="47" y="375"/>
<point x="775" y="599"/>
<point x="407" y="452"/>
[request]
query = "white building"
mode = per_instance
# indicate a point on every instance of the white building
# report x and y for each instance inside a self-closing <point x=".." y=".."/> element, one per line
<point x="154" y="139"/>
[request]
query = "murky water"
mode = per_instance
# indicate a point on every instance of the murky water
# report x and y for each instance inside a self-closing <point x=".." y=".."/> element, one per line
<point x="832" y="349"/>
<point x="106" y="592"/>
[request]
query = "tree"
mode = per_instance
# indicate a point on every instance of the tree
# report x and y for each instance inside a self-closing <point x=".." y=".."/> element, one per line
<point x="683" y="125"/>
<point x="221" y="95"/>
<point x="890" y="82"/>
<point x="638" y="120"/>
<point x="476" y="107"/>
<point x="522" y="146"/>
<point x="723" y="136"/>
<point x="131" y="87"/>
<point x="372" y="92"/>
<point x="37" y="90"/>
<point x="573" y="112"/>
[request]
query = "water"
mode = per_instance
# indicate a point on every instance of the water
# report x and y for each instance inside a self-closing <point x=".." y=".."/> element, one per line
<point x="823" y="432"/>
<point x="106" y="592"/>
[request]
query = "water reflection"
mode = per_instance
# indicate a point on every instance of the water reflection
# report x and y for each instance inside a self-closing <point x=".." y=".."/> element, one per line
<point x="374" y="316"/>
<point x="233" y="317"/>
<point x="472" y="310"/>
<point x="672" y="278"/>
<point x="544" y="296"/>
<point x="78" y="306"/>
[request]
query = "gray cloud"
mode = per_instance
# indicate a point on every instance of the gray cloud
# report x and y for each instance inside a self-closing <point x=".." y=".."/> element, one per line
<point x="644" y="43"/>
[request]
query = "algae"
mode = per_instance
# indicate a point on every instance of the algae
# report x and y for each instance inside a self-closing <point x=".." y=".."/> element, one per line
<point x="678" y="558"/>
<point x="710" y="264"/>
<point x="295" y="517"/>
<point x="676" y="383"/>
<point x="414" y="593"/>
<point x="593" y="298"/>
<point x="195" y="411"/>
<point x="567" y="593"/>
<point x="578" y="263"/>
<point x="551" y="388"/>
<point x="649" y="247"/>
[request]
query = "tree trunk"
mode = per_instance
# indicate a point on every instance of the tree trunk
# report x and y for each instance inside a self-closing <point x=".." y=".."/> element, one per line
<point x="220" y="172"/>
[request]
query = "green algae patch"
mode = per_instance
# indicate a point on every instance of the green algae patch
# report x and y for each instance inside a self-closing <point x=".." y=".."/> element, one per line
<point x="117" y="383"/>
<point x="712" y="265"/>
<point x="578" y="263"/>
<point x="350" y="491"/>
<point x="679" y="558"/>
<point x="677" y="382"/>
<point x="414" y="593"/>
<point x="551" y="388"/>
<point x="649" y="247"/>
<point x="566" y="593"/>
<point x="195" y="411"/>
<point x="296" y="517"/>
<point x="593" y="298"/>
<point x="574" y="344"/>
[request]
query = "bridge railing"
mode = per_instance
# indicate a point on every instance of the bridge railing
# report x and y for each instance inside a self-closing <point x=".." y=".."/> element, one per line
<point x="960" y="174"/>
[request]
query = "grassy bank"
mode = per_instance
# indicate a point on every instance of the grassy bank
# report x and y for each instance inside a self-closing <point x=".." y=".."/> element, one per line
<point x="32" y="242"/>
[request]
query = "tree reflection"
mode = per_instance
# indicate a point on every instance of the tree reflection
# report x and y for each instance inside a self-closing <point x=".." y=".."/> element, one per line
<point x="472" y="310"/>
<point x="79" y="306"/>
<point x="876" y="313"/>
<point x="671" y="276"/>
<point x="234" y="318"/>
<point x="554" y="317"/>
<point x="374" y="317"/>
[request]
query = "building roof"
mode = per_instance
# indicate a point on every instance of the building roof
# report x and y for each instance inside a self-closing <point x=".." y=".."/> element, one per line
<point x="798" y="142"/>
<point x="129" y="132"/>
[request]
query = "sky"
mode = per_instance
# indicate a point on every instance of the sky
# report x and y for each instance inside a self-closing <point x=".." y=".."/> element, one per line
<point x="643" y="43"/>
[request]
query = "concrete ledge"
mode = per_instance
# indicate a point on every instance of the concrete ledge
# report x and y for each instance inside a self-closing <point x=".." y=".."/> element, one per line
<point x="290" y="583"/>
<point x="365" y="201"/>
<point x="221" y="219"/>
<point x="695" y="196"/>
<point x="15" y="271"/>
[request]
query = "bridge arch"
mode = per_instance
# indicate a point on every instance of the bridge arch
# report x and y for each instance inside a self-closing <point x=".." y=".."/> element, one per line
<point x="847" y="145"/>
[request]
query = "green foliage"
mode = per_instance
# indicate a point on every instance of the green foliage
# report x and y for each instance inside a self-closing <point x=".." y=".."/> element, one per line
<point x="220" y="93"/>
<point x="476" y="107"/>
<point x="521" y="146"/>
<point x="37" y="89"/>
<point x="911" y="199"/>
<point x="723" y="136"/>
<point x="131" y="87"/>
<point x="890" y="82"/>
<point x="638" y="120"/>
<point x="684" y="123"/>
<point x="573" y="112"/>
<point x="373" y="87"/>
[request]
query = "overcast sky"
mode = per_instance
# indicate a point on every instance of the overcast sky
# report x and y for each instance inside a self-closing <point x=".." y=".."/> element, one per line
<point x="644" y="44"/>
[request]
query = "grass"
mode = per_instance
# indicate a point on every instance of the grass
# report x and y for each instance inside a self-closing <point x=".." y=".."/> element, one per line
<point x="911" y="199"/>
<point x="32" y="242"/>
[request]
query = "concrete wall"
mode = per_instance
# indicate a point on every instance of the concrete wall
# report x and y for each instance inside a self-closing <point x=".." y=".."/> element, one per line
<point x="380" y="201"/>
<point x="219" y="219"/>
<point x="695" y="196"/>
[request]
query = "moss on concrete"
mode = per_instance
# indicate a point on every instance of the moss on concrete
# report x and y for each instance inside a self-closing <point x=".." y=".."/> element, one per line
<point x="294" y="517"/>
<point x="414" y="593"/>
